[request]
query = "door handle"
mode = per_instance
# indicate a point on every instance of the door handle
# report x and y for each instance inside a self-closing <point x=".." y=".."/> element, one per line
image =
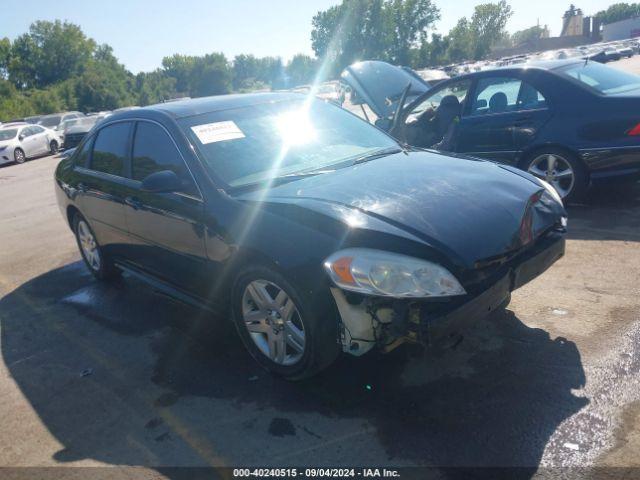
<point x="522" y="121"/>
<point x="133" y="202"/>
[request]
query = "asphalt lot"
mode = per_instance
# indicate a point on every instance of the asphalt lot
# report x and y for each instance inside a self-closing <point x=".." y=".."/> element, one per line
<point x="121" y="376"/>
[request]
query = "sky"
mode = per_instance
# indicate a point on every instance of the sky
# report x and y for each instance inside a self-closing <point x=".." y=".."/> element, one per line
<point x="142" y="32"/>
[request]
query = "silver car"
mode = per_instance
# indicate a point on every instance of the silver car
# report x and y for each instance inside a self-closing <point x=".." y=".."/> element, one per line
<point x="20" y="142"/>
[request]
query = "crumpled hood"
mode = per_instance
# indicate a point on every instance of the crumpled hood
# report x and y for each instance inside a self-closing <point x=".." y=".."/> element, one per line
<point x="470" y="209"/>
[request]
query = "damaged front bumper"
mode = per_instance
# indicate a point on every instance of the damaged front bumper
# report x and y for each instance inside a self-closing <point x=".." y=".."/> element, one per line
<point x="369" y="322"/>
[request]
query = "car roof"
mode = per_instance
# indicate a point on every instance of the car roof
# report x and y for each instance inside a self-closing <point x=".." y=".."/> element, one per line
<point x="545" y="65"/>
<point x="198" y="106"/>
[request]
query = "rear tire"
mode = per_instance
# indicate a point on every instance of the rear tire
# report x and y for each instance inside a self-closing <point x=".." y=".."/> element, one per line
<point x="53" y="146"/>
<point x="99" y="264"/>
<point x="562" y="169"/>
<point x="284" y="333"/>
<point x="19" y="156"/>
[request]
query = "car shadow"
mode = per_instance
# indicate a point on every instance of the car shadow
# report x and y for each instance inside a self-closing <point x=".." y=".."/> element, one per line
<point x="611" y="212"/>
<point x="102" y="365"/>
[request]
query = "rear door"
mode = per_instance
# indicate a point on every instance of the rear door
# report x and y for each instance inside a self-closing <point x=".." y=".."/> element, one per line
<point x="41" y="142"/>
<point x="102" y="185"/>
<point x="166" y="229"/>
<point x="502" y="117"/>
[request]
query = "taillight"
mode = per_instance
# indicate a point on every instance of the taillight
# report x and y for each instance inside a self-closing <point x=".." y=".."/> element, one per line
<point x="634" y="131"/>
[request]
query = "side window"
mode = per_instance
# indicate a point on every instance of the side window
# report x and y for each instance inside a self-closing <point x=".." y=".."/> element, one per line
<point x="154" y="151"/>
<point x="496" y="95"/>
<point x="454" y="93"/>
<point x="110" y="149"/>
<point x="27" y="132"/>
<point x="530" y="99"/>
<point x="82" y="157"/>
<point x="37" y="129"/>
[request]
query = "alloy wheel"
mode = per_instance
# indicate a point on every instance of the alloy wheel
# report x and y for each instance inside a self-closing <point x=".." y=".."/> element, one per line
<point x="89" y="246"/>
<point x="273" y="322"/>
<point x="19" y="156"/>
<point x="556" y="170"/>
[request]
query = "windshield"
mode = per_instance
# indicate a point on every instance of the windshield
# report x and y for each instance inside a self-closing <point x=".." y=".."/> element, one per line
<point x="258" y="143"/>
<point x="608" y="81"/>
<point x="49" y="121"/>
<point x="8" y="134"/>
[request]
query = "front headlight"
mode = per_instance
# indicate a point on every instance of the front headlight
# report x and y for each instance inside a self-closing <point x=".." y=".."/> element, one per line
<point x="376" y="272"/>
<point x="552" y="191"/>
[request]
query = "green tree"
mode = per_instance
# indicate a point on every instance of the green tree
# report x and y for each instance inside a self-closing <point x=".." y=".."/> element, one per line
<point x="49" y="53"/>
<point x="301" y="69"/>
<point x="488" y="26"/>
<point x="618" y="11"/>
<point x="104" y="84"/>
<point x="527" y="35"/>
<point x="245" y="70"/>
<point x="210" y="74"/>
<point x="370" y="29"/>
<point x="408" y="26"/>
<point x="5" y="55"/>
<point x="154" y="87"/>
<point x="460" y="41"/>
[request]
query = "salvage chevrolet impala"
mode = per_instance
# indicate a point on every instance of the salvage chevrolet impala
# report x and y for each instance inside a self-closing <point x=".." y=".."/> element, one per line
<point x="317" y="232"/>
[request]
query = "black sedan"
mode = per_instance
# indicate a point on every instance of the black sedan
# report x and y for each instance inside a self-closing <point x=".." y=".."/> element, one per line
<point x="570" y="122"/>
<point x="318" y="232"/>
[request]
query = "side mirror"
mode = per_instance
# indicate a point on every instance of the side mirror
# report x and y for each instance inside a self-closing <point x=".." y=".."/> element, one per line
<point x="21" y="137"/>
<point x="165" y="181"/>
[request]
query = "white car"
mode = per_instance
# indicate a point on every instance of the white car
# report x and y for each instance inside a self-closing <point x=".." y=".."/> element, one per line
<point x="20" y="142"/>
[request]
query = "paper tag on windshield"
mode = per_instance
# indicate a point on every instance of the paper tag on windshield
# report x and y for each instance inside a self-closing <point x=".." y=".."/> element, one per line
<point x="217" y="132"/>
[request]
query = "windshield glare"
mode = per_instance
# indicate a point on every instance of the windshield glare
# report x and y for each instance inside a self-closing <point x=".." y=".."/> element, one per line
<point x="258" y="143"/>
<point x="8" y="134"/>
<point x="608" y="81"/>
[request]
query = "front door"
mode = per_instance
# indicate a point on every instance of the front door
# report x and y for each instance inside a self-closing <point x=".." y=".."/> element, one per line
<point x="431" y="121"/>
<point x="166" y="229"/>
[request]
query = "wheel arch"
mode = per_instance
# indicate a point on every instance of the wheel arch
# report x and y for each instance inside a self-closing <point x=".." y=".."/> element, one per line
<point x="531" y="151"/>
<point x="72" y="211"/>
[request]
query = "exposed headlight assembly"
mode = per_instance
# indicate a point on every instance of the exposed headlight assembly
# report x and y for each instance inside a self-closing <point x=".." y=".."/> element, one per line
<point x="375" y="272"/>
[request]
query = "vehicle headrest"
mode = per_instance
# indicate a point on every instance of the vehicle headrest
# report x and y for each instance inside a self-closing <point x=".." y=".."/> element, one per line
<point x="449" y="101"/>
<point x="498" y="102"/>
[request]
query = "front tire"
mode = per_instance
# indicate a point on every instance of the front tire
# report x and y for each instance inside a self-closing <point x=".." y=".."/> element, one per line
<point x="94" y="258"/>
<point x="562" y="169"/>
<point x="282" y="331"/>
<point x="19" y="156"/>
<point x="53" y="147"/>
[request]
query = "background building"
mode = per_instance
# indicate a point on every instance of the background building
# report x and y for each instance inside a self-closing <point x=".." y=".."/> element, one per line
<point x="623" y="29"/>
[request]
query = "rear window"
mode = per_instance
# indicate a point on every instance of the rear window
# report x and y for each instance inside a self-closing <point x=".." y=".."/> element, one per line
<point x="605" y="80"/>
